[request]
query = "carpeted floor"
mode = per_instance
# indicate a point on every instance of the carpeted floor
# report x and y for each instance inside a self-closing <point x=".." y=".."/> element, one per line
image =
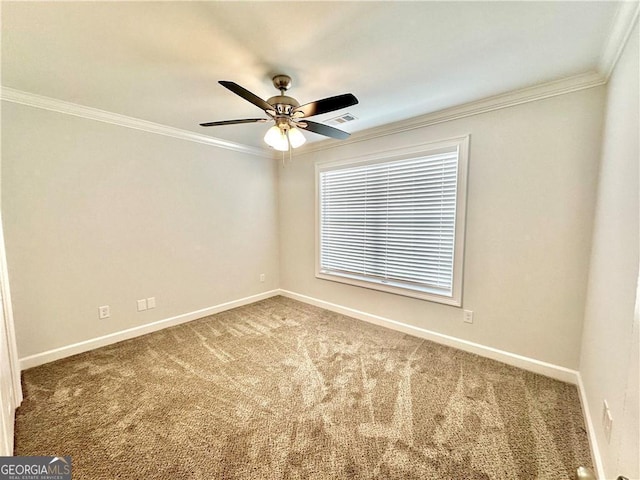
<point x="283" y="390"/>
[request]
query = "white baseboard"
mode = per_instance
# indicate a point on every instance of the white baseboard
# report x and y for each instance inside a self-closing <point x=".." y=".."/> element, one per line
<point x="84" y="346"/>
<point x="526" y="363"/>
<point x="591" y="432"/>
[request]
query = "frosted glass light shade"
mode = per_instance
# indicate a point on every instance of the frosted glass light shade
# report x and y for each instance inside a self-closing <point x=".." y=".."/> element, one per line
<point x="296" y="138"/>
<point x="277" y="139"/>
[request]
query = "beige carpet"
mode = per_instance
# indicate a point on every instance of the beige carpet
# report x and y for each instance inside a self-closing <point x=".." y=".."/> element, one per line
<point x="283" y="390"/>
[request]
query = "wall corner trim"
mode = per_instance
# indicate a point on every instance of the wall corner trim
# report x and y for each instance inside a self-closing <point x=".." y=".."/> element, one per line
<point x="531" y="364"/>
<point x="591" y="433"/>
<point x="97" y="342"/>
<point x="47" y="103"/>
<point x="623" y="24"/>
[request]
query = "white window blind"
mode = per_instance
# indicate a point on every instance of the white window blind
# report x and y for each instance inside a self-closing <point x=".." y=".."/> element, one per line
<point x="391" y="223"/>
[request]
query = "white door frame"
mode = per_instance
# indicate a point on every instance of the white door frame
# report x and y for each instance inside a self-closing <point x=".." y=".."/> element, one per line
<point x="12" y="384"/>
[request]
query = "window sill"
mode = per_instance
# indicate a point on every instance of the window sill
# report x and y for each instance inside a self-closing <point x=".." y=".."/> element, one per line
<point x="406" y="292"/>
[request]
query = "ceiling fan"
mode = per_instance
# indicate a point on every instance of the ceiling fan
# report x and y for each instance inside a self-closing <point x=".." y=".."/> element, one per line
<point x="289" y="116"/>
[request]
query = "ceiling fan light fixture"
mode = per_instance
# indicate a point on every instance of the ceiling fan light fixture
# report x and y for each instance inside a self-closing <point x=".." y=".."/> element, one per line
<point x="277" y="138"/>
<point x="296" y="138"/>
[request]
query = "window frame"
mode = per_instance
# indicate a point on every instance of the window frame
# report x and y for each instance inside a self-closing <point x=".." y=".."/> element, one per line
<point x="407" y="153"/>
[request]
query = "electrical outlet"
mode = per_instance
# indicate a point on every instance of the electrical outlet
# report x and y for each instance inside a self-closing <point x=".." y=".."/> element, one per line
<point x="142" y="304"/>
<point x="104" y="312"/>
<point x="151" y="302"/>
<point x="468" y="316"/>
<point x="262" y="277"/>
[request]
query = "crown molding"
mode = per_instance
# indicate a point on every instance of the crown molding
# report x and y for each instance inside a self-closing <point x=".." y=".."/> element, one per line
<point x="47" y="103"/>
<point x="497" y="102"/>
<point x="623" y="24"/>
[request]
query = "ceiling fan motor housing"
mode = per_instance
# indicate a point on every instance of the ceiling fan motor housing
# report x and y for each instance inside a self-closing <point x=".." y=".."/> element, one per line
<point x="282" y="104"/>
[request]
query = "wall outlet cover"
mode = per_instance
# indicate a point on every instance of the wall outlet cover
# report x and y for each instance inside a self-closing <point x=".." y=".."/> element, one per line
<point x="104" y="312"/>
<point x="142" y="304"/>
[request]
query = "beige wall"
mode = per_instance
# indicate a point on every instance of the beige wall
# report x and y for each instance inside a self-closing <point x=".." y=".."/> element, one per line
<point x="532" y="181"/>
<point x="609" y="359"/>
<point x="97" y="214"/>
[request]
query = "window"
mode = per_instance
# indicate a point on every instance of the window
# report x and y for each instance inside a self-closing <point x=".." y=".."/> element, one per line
<point x="395" y="222"/>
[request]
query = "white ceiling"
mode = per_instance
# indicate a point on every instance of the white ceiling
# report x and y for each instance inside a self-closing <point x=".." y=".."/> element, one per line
<point x="160" y="61"/>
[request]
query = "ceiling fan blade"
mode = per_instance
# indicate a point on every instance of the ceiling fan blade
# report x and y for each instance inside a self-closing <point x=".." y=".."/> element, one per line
<point x="246" y="94"/>
<point x="233" y="122"/>
<point x="325" y="105"/>
<point x="325" y="130"/>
